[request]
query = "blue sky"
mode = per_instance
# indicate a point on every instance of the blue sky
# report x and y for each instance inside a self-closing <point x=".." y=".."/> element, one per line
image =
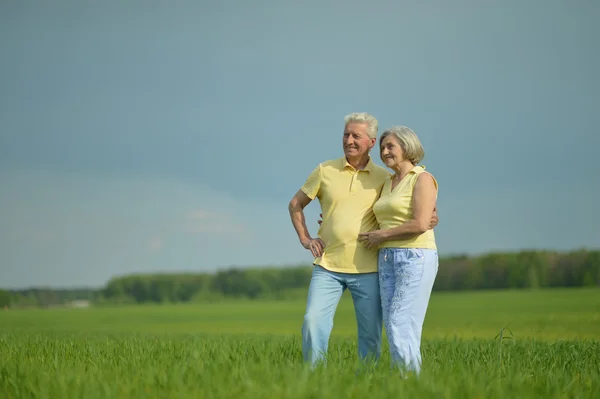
<point x="145" y="137"/>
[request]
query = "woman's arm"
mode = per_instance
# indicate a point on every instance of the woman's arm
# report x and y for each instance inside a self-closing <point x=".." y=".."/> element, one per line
<point x="423" y="203"/>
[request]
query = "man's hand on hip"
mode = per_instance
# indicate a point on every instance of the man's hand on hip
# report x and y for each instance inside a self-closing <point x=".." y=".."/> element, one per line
<point x="315" y="245"/>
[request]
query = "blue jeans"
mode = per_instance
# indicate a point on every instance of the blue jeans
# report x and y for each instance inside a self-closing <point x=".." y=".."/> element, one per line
<point x="324" y="293"/>
<point x="406" y="277"/>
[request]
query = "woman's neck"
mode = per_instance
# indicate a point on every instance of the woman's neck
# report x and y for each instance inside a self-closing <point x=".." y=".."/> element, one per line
<point x="403" y="169"/>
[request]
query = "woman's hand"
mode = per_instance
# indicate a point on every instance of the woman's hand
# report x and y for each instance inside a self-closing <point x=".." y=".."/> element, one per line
<point x="372" y="239"/>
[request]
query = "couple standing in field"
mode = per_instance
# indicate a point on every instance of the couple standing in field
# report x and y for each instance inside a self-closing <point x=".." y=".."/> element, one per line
<point x="376" y="239"/>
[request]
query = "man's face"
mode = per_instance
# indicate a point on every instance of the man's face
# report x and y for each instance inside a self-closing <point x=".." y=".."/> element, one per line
<point x="356" y="140"/>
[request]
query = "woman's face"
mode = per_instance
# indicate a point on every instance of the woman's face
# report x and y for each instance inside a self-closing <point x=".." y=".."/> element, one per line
<point x="391" y="153"/>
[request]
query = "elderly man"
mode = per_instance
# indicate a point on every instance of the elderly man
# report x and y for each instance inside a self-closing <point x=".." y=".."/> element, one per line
<point x="346" y="188"/>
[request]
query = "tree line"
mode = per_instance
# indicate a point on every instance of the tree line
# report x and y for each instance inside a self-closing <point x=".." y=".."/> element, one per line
<point x="525" y="269"/>
<point x="43" y="297"/>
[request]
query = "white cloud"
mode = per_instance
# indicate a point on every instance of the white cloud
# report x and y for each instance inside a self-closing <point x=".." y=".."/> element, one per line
<point x="204" y="221"/>
<point x="202" y="214"/>
<point x="155" y="244"/>
<point x="86" y="229"/>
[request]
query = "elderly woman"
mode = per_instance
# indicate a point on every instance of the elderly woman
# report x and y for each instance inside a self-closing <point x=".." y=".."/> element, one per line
<point x="408" y="259"/>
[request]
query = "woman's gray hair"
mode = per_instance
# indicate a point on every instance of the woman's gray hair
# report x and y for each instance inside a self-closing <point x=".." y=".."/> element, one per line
<point x="363" y="117"/>
<point x="408" y="140"/>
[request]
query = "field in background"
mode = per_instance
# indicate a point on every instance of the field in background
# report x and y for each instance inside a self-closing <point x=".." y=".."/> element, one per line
<point x="556" y="314"/>
<point x="252" y="349"/>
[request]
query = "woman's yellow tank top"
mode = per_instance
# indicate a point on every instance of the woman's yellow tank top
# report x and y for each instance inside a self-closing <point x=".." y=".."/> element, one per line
<point x="394" y="207"/>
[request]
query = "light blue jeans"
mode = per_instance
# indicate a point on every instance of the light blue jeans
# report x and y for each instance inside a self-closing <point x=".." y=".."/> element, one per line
<point x="324" y="293"/>
<point x="406" y="277"/>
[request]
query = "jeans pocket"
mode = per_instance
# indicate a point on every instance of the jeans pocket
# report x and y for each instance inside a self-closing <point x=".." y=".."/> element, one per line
<point x="410" y="254"/>
<point x="410" y="263"/>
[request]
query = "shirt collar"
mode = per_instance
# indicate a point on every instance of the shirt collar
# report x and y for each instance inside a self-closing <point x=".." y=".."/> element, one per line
<point x="368" y="167"/>
<point x="415" y="169"/>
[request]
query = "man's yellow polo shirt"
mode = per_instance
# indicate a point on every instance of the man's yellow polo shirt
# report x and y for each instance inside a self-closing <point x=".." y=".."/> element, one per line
<point x="347" y="197"/>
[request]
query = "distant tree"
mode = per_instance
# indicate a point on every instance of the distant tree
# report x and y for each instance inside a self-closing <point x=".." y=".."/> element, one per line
<point x="4" y="298"/>
<point x="525" y="269"/>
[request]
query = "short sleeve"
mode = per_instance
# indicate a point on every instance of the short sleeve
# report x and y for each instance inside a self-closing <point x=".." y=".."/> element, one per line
<point x="313" y="183"/>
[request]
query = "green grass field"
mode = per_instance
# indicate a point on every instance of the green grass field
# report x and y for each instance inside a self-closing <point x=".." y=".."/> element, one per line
<point x="253" y="349"/>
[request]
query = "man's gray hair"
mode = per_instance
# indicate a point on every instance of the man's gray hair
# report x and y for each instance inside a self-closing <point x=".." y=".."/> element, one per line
<point x="363" y="117"/>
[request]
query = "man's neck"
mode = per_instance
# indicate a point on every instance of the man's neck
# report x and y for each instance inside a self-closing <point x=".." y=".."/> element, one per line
<point x="358" y="163"/>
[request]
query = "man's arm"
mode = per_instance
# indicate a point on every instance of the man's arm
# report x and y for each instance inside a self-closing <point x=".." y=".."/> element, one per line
<point x="296" y="209"/>
<point x="434" y="219"/>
